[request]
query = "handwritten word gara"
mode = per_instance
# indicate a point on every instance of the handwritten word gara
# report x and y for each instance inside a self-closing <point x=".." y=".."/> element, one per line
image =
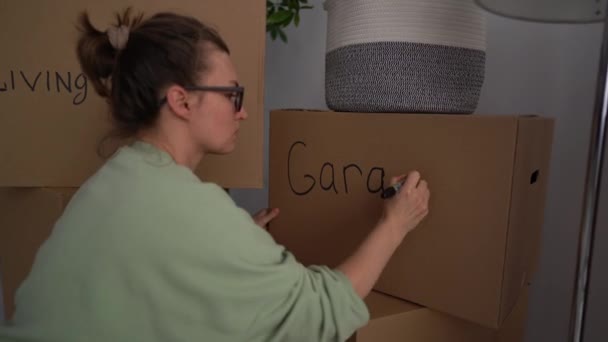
<point x="327" y="174"/>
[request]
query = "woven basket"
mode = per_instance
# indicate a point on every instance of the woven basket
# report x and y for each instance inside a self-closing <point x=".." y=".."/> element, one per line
<point x="404" y="55"/>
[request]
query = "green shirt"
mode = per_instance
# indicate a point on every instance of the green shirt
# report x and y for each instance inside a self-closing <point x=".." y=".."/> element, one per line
<point x="145" y="251"/>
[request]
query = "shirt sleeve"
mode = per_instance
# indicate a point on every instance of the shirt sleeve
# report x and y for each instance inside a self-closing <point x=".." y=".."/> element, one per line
<point x="254" y="287"/>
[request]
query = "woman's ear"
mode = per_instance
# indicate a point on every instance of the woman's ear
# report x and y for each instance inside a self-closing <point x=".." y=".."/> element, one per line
<point x="177" y="100"/>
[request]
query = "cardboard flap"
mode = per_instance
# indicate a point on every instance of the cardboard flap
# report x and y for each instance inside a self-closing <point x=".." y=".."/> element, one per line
<point x="530" y="181"/>
<point x="403" y="321"/>
<point x="381" y="305"/>
<point x="514" y="326"/>
<point x="27" y="217"/>
<point x="52" y="121"/>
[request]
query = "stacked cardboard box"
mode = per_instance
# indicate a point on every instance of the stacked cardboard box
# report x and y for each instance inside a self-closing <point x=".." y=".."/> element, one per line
<point x="475" y="253"/>
<point x="27" y="219"/>
<point x="52" y="122"/>
<point x="396" y="320"/>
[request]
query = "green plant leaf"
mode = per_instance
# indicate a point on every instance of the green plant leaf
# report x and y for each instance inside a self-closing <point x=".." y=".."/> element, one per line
<point x="282" y="35"/>
<point x="281" y="13"/>
<point x="273" y="33"/>
<point x="278" y="17"/>
<point x="287" y="21"/>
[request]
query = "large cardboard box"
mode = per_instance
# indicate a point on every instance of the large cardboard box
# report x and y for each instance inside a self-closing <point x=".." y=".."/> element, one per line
<point x="395" y="320"/>
<point x="27" y="217"/>
<point x="488" y="177"/>
<point x="50" y="108"/>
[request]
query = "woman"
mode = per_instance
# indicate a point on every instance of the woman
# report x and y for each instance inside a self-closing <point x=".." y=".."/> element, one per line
<point x="146" y="251"/>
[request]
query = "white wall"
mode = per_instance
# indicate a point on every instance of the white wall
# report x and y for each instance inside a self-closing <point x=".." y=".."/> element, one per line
<point x="546" y="69"/>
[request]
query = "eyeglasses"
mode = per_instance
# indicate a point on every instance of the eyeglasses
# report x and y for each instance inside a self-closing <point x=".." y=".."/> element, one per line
<point x="237" y="93"/>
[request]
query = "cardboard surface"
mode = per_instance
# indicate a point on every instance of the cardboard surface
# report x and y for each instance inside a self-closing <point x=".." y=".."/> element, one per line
<point x="27" y="216"/>
<point x="51" y="120"/>
<point x="530" y="181"/>
<point x="472" y="254"/>
<point x="395" y="320"/>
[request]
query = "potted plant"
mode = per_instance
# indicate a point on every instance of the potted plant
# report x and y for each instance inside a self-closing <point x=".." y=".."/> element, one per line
<point x="279" y="14"/>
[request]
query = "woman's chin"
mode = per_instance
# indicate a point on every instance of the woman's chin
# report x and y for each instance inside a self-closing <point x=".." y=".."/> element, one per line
<point x="228" y="146"/>
<point x="227" y="149"/>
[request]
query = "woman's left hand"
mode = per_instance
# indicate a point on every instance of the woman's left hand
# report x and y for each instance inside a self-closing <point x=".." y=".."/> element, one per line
<point x="264" y="216"/>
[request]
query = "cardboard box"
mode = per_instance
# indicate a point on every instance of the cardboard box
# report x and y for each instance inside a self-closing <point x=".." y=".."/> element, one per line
<point x="488" y="176"/>
<point x="395" y="320"/>
<point x="52" y="111"/>
<point x="27" y="217"/>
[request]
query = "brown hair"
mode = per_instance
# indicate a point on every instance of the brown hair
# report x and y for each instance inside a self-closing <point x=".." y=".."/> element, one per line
<point x="162" y="50"/>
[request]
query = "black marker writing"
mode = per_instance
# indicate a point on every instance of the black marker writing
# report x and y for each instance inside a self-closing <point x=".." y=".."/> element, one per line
<point x="327" y="175"/>
<point x="55" y="81"/>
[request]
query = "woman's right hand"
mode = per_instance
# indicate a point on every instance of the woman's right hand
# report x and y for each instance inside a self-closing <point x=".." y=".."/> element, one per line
<point x="409" y="205"/>
<point x="402" y="213"/>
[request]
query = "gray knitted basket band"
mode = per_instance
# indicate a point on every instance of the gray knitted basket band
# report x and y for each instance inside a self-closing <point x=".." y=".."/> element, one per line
<point x="404" y="77"/>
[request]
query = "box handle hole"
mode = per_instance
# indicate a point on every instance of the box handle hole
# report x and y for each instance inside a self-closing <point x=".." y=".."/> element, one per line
<point x="534" y="177"/>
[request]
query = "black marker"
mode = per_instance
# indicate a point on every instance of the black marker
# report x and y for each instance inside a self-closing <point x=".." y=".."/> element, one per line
<point x="392" y="190"/>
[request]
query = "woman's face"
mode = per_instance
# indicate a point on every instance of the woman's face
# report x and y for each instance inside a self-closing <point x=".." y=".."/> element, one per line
<point x="215" y="121"/>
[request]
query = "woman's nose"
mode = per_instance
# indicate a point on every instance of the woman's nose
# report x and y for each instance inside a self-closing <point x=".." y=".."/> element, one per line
<point x="242" y="114"/>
